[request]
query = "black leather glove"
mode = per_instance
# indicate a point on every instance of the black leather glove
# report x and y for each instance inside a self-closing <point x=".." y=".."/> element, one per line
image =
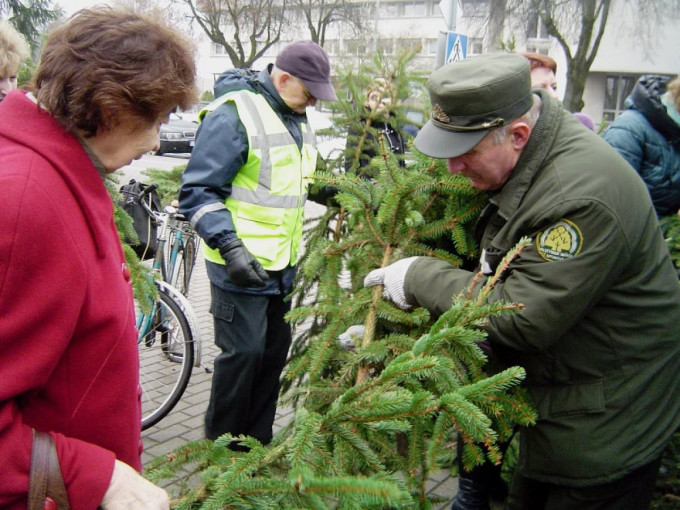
<point x="242" y="268"/>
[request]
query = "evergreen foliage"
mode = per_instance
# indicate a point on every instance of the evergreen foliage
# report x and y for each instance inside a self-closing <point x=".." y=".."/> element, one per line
<point x="168" y="182"/>
<point x="401" y="88"/>
<point x="375" y="419"/>
<point x="667" y="490"/>
<point x="30" y="17"/>
<point x="145" y="290"/>
<point x="671" y="228"/>
<point x="142" y="279"/>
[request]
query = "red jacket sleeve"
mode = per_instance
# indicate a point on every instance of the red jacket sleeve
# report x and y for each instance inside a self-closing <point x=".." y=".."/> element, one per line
<point x="42" y="289"/>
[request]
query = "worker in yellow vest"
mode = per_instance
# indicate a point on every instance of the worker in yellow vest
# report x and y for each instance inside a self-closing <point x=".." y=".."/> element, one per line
<point x="244" y="190"/>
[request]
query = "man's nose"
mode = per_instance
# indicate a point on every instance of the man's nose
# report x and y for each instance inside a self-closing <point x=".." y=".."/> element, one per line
<point x="455" y="165"/>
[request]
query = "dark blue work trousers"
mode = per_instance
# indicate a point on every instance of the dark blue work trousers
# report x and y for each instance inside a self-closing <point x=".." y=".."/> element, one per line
<point x="254" y="339"/>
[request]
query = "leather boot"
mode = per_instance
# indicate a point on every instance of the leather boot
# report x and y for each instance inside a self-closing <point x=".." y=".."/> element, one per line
<point x="471" y="496"/>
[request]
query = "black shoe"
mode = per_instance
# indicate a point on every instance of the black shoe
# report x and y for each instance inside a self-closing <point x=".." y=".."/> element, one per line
<point x="471" y="496"/>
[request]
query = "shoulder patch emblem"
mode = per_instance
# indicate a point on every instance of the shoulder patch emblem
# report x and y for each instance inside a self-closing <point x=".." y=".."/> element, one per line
<point x="560" y="241"/>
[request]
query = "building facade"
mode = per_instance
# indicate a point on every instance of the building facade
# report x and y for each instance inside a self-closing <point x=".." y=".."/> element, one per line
<point x="624" y="55"/>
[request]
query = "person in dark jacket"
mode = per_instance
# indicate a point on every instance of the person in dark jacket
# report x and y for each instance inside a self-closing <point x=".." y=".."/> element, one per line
<point x="377" y="120"/>
<point x="598" y="335"/>
<point x="647" y="135"/>
<point x="244" y="190"/>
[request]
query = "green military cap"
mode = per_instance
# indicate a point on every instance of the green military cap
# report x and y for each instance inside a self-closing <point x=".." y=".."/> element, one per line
<point x="471" y="97"/>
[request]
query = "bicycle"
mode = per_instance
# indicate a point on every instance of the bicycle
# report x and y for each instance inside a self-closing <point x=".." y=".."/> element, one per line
<point x="168" y="334"/>
<point x="182" y="246"/>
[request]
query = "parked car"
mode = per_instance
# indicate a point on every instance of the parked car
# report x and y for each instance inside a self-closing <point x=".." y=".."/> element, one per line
<point x="177" y="136"/>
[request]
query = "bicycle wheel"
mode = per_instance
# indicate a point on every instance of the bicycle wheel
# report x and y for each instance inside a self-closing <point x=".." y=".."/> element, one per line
<point x="186" y="259"/>
<point x="166" y="357"/>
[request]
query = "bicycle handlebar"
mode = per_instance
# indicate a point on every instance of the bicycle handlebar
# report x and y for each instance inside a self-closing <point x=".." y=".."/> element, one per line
<point x="150" y="188"/>
<point x="156" y="215"/>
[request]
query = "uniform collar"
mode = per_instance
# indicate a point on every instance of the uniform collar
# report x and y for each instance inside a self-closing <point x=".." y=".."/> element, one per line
<point x="541" y="140"/>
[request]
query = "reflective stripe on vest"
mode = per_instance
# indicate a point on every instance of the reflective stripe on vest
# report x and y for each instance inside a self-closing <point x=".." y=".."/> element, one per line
<point x="269" y="191"/>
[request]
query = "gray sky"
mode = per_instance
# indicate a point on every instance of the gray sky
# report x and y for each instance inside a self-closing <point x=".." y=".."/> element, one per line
<point x="71" y="6"/>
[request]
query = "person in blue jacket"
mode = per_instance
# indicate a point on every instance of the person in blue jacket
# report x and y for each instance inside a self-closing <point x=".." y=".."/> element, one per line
<point x="244" y="190"/>
<point x="647" y="135"/>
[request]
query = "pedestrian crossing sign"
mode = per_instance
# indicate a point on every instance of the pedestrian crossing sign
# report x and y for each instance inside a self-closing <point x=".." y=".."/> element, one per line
<point x="456" y="47"/>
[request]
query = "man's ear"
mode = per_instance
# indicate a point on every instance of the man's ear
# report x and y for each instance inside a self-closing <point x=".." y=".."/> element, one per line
<point x="520" y="133"/>
<point x="284" y="77"/>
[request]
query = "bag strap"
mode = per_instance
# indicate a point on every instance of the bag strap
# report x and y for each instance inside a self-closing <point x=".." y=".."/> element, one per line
<point x="46" y="482"/>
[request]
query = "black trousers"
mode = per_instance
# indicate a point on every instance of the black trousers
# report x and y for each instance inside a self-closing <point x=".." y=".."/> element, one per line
<point x="254" y="340"/>
<point x="632" y="492"/>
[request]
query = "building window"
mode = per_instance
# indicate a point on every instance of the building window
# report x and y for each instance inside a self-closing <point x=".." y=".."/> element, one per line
<point x="537" y="49"/>
<point x="390" y="10"/>
<point x="218" y="50"/>
<point x="332" y="46"/>
<point x="356" y="47"/>
<point x="409" y="45"/>
<point x="414" y="9"/>
<point x="535" y="27"/>
<point x="475" y="46"/>
<point x="386" y="46"/>
<point x="616" y="90"/>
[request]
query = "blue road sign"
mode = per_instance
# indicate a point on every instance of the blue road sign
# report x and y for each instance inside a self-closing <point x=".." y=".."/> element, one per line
<point x="456" y="47"/>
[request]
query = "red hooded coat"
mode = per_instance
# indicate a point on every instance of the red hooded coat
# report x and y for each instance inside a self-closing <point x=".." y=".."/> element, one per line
<point x="68" y="353"/>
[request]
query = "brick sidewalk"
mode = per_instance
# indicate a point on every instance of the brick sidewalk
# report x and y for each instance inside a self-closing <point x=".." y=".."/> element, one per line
<point x="185" y="421"/>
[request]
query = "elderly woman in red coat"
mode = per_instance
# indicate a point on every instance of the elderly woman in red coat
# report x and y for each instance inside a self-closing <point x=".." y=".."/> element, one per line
<point x="106" y="82"/>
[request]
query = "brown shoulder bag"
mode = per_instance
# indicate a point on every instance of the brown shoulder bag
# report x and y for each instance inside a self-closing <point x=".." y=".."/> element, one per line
<point x="46" y="490"/>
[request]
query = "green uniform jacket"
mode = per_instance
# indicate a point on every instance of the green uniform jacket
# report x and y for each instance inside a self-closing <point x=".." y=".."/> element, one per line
<point x="599" y="337"/>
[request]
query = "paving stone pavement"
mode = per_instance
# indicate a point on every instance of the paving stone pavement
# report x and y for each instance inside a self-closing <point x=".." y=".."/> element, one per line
<point x="185" y="422"/>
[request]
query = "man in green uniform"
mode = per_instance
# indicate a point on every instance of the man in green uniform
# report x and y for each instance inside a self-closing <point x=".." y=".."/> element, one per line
<point x="598" y="337"/>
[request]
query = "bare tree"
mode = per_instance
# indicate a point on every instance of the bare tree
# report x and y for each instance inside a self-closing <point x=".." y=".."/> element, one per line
<point x="245" y="28"/>
<point x="582" y="21"/>
<point x="320" y="14"/>
<point x="30" y="17"/>
<point x="497" y="13"/>
<point x="170" y="12"/>
<point x="578" y="27"/>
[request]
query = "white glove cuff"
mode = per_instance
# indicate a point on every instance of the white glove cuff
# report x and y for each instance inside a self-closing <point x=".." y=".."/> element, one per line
<point x="395" y="278"/>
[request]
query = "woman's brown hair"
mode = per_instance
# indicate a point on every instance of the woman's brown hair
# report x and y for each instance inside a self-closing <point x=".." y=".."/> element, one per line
<point x="108" y="65"/>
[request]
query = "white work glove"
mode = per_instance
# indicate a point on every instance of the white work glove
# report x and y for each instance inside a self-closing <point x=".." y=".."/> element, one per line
<point x="128" y="490"/>
<point x="348" y="340"/>
<point x="392" y="278"/>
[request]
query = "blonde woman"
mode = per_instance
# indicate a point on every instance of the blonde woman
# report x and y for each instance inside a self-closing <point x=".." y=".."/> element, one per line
<point x="13" y="49"/>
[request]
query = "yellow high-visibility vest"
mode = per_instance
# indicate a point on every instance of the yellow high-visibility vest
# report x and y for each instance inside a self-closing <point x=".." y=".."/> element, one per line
<point x="269" y="192"/>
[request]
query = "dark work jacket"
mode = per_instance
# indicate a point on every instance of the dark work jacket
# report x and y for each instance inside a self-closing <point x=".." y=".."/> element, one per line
<point x="221" y="150"/>
<point x="650" y="141"/>
<point x="598" y="336"/>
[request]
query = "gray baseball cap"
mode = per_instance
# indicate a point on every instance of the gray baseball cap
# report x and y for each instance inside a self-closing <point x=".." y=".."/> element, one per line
<point x="309" y="62"/>
<point x="471" y="97"/>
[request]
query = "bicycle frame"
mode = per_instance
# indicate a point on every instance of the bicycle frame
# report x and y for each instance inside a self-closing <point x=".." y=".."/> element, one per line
<point x="145" y="322"/>
<point x="177" y="244"/>
<point x="190" y="315"/>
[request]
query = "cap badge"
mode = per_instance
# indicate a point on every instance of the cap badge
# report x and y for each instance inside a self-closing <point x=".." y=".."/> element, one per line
<point x="439" y="114"/>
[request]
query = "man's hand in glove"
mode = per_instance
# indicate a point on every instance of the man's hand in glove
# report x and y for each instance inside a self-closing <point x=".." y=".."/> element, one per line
<point x="129" y="491"/>
<point x="351" y="337"/>
<point x="392" y="278"/>
<point x="242" y="268"/>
